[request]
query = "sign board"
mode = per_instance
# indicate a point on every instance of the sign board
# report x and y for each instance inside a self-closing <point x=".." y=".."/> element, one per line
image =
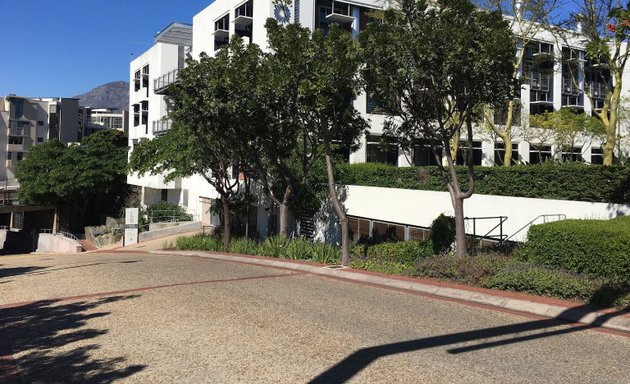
<point x="131" y="226"/>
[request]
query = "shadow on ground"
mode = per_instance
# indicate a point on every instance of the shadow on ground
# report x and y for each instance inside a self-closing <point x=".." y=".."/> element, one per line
<point x="52" y="342"/>
<point x="8" y="272"/>
<point x="347" y="368"/>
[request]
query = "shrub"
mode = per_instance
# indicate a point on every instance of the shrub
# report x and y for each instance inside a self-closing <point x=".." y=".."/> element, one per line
<point x="273" y="246"/>
<point x="442" y="233"/>
<point x="539" y="280"/>
<point x="404" y="252"/>
<point x="166" y="212"/>
<point x="569" y="181"/>
<point x="383" y="266"/>
<point x="243" y="246"/>
<point x="326" y="253"/>
<point x="199" y="242"/>
<point x="593" y="247"/>
<point x="469" y="270"/>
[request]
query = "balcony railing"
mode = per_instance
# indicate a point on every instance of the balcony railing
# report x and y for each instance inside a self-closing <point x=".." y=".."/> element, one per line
<point x="598" y="90"/>
<point x="160" y="85"/>
<point x="569" y="87"/>
<point x="161" y="126"/>
<point x="539" y="81"/>
<point x="339" y="12"/>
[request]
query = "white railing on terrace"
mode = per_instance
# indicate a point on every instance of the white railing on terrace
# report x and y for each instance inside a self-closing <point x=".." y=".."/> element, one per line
<point x="161" y="83"/>
<point x="161" y="126"/>
<point x="67" y="235"/>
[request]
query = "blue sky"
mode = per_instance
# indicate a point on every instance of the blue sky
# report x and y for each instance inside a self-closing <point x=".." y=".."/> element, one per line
<point x="64" y="48"/>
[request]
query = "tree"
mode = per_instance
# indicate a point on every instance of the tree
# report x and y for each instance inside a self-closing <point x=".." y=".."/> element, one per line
<point x="90" y="177"/>
<point x="429" y="67"/>
<point x="527" y="18"/>
<point x="568" y="127"/>
<point x="283" y="148"/>
<point x="604" y="27"/>
<point x="213" y="112"/>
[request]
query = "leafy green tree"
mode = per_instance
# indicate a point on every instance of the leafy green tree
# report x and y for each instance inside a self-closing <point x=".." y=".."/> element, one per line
<point x="283" y="148"/>
<point x="605" y="29"/>
<point x="527" y="19"/>
<point x="213" y="114"/>
<point x="90" y="177"/>
<point x="568" y="127"/>
<point x="430" y="66"/>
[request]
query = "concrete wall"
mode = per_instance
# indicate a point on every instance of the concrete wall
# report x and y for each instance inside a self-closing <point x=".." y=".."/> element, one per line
<point x="49" y="243"/>
<point x="420" y="208"/>
<point x="181" y="228"/>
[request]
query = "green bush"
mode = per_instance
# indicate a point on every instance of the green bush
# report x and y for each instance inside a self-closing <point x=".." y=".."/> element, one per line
<point x="243" y="246"/>
<point x="569" y="181"/>
<point x="274" y="246"/>
<point x="442" y="233"/>
<point x="470" y="270"/>
<point x="593" y="247"/>
<point x="539" y="280"/>
<point x="166" y="212"/>
<point x="326" y="253"/>
<point x="403" y="252"/>
<point x="199" y="242"/>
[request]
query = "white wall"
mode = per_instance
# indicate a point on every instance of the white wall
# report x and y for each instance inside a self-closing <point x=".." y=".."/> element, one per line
<point x="420" y="208"/>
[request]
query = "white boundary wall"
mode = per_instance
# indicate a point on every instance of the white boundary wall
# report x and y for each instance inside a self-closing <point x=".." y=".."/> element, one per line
<point x="414" y="207"/>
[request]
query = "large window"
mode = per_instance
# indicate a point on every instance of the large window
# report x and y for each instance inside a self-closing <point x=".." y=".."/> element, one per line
<point x="597" y="156"/>
<point x="477" y="154"/>
<point x="540" y="153"/>
<point x="423" y="155"/>
<point x="381" y="150"/>
<point x="499" y="153"/>
<point x="572" y="154"/>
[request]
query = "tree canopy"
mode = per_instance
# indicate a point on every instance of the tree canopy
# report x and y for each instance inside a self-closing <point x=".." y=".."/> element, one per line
<point x="90" y="175"/>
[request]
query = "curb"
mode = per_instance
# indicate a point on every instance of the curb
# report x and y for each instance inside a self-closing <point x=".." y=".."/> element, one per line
<point x="574" y="313"/>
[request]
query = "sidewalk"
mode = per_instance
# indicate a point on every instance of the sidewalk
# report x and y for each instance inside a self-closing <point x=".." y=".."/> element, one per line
<point x="610" y="319"/>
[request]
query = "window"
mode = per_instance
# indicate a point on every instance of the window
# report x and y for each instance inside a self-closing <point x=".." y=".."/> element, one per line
<point x="499" y="153"/>
<point x="8" y="155"/>
<point x="20" y="156"/>
<point x="539" y="154"/>
<point x="17" y="140"/>
<point x="423" y="155"/>
<point x="597" y="156"/>
<point x="477" y="153"/>
<point x="572" y="154"/>
<point x="40" y="139"/>
<point x="381" y="150"/>
<point x="40" y="123"/>
<point x="136" y="81"/>
<point x="244" y="10"/>
<point x="372" y="107"/>
<point x="18" y="105"/>
<point x="164" y="195"/>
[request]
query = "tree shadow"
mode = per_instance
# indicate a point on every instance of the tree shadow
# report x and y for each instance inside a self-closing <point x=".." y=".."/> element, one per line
<point x="7" y="272"/>
<point x="360" y="359"/>
<point x="52" y="342"/>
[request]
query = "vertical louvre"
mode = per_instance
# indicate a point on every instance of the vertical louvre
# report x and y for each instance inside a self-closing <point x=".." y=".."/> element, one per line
<point x="296" y="11"/>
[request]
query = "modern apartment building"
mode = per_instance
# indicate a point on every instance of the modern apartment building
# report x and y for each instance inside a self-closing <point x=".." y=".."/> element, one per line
<point x="25" y="122"/>
<point x="547" y="86"/>
<point x="106" y="118"/>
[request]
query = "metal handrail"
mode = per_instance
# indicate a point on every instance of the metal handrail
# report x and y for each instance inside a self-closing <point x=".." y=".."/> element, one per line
<point x="501" y="219"/>
<point x="60" y="233"/>
<point x="560" y="216"/>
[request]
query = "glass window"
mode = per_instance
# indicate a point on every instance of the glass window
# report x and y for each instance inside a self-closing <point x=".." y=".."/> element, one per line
<point x="539" y="153"/>
<point x="381" y="150"/>
<point x="597" y="156"/>
<point x="499" y="153"/>
<point x="423" y="155"/>
<point x="477" y="154"/>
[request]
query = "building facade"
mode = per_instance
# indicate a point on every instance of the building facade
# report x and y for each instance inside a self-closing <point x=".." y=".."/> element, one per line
<point x="106" y="118"/>
<point x="545" y="70"/>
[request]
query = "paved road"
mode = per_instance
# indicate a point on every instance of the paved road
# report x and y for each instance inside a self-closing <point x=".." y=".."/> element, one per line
<point x="140" y="318"/>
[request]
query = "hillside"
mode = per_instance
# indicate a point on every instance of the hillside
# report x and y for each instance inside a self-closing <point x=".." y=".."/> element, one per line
<point x="113" y="95"/>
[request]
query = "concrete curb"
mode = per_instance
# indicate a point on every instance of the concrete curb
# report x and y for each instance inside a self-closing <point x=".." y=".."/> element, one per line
<point x="575" y="313"/>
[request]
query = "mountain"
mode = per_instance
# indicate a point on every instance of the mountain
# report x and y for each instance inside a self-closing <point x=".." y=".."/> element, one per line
<point x="114" y="95"/>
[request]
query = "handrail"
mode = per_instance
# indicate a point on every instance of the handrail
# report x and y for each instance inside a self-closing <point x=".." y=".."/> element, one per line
<point x="560" y="216"/>
<point x="501" y="219"/>
<point x="60" y="233"/>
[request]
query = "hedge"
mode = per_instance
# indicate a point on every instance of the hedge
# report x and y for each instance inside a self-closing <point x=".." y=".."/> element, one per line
<point x="569" y="181"/>
<point x="593" y="247"/>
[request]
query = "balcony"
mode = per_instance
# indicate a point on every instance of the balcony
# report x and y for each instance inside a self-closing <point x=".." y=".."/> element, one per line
<point x="19" y="128"/>
<point x="539" y="81"/>
<point x="569" y="87"/>
<point x="161" y="126"/>
<point x="338" y="12"/>
<point x="597" y="90"/>
<point x="160" y="85"/>
<point x="243" y="15"/>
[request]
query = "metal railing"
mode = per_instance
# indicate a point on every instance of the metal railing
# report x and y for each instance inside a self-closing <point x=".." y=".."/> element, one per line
<point x="597" y="89"/>
<point x="67" y="235"/>
<point x="161" y="126"/>
<point x="488" y="235"/>
<point x="546" y="219"/>
<point x="539" y="81"/>
<point x="569" y="87"/>
<point x="161" y="83"/>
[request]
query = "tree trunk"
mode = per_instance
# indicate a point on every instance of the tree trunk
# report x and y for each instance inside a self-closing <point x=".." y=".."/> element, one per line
<point x="226" y="224"/>
<point x="507" y="157"/>
<point x="284" y="212"/>
<point x="611" y="129"/>
<point x="339" y="209"/>
<point x="460" y="227"/>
